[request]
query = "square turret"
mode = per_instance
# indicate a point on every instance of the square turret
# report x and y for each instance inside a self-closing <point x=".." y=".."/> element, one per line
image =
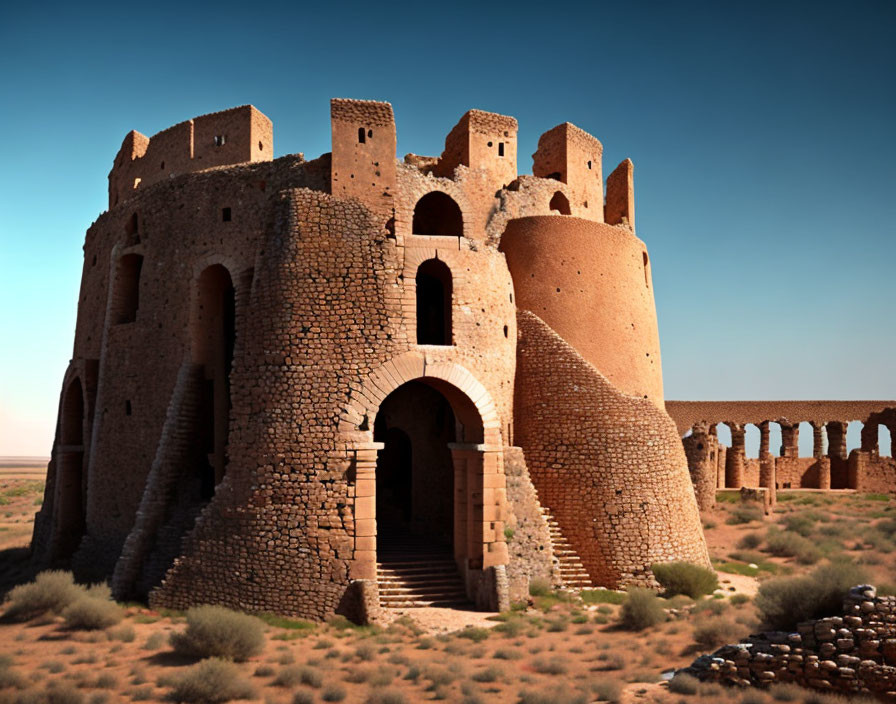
<point x="572" y="156"/>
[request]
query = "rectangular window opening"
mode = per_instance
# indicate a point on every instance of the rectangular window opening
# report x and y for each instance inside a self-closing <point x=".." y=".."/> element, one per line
<point x="220" y="140"/>
<point x="500" y="148"/>
<point x="226" y="215"/>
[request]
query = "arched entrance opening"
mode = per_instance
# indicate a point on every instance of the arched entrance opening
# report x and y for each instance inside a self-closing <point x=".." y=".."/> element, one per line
<point x="560" y="204"/>
<point x="214" y="336"/>
<point x="434" y="291"/>
<point x="437" y="214"/>
<point x="429" y="471"/>
<point x="71" y="488"/>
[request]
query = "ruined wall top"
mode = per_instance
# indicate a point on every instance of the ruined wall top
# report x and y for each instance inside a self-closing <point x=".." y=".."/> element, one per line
<point x="373" y="112"/>
<point x="687" y="413"/>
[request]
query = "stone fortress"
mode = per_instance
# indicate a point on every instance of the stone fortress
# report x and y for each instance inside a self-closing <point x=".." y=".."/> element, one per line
<point x="350" y="383"/>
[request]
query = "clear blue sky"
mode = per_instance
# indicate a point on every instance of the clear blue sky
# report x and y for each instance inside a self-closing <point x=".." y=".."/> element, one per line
<point x="762" y="135"/>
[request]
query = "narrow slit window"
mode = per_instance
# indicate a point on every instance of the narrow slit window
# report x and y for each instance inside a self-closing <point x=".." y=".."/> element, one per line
<point x="500" y="148"/>
<point x="362" y="135"/>
<point x="226" y="215"/>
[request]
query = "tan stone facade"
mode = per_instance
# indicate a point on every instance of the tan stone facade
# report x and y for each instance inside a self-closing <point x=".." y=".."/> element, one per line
<point x="287" y="373"/>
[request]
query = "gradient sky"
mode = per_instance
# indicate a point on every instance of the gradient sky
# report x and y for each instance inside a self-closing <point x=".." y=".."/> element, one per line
<point x="762" y="135"/>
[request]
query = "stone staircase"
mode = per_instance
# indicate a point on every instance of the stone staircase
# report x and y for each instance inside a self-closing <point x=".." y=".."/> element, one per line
<point x="414" y="572"/>
<point x="572" y="572"/>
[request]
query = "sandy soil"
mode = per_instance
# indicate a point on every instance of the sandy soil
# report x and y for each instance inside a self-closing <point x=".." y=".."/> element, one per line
<point x="559" y="647"/>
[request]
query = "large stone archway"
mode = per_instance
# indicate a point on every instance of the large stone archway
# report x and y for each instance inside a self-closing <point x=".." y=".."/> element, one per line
<point x="479" y="493"/>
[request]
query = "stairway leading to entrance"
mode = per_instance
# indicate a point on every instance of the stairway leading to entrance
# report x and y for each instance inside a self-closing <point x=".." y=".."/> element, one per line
<point x="573" y="574"/>
<point x="415" y="572"/>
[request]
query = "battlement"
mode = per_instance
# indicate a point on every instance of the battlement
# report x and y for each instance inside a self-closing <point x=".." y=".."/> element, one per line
<point x="570" y="155"/>
<point x="481" y="140"/>
<point x="235" y="136"/>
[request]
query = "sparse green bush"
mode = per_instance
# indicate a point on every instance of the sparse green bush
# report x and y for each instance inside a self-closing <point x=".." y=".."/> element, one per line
<point x="386" y="696"/>
<point x="684" y="578"/>
<point x="154" y="642"/>
<point x="683" y="683"/>
<point x="785" y="601"/>
<point x="602" y="596"/>
<point x="210" y="682"/>
<point x="607" y="691"/>
<point x="477" y="635"/>
<point x="507" y="654"/>
<point x="50" y="592"/>
<point x="785" y="544"/>
<point x="738" y="599"/>
<point x="93" y="610"/>
<point x="539" y="586"/>
<point x="333" y="693"/>
<point x="712" y="632"/>
<point x="489" y="674"/>
<point x="750" y="541"/>
<point x="802" y="523"/>
<point x="642" y="609"/>
<point x="746" y="513"/>
<point x="549" y="666"/>
<point x="62" y="693"/>
<point x="213" y="631"/>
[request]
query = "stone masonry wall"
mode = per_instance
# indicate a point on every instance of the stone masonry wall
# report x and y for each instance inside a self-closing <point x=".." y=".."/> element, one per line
<point x="531" y="554"/>
<point x="610" y="467"/>
<point x="850" y="654"/>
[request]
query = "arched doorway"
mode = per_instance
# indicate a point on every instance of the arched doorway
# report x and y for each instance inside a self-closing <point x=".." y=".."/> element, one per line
<point x="71" y="488"/>
<point x="560" y="204"/>
<point x="426" y="471"/>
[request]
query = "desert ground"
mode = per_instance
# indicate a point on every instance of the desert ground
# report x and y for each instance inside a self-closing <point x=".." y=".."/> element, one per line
<point x="557" y="648"/>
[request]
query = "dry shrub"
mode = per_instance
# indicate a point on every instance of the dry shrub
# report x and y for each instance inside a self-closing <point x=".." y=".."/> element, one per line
<point x="549" y="666"/>
<point x="713" y="632"/>
<point x="386" y="696"/>
<point x="684" y="578"/>
<point x="50" y="592"/>
<point x="552" y="696"/>
<point x="641" y="610"/>
<point x="683" y="683"/>
<point x="746" y="513"/>
<point x="302" y="697"/>
<point x="333" y="693"/>
<point x="785" y="601"/>
<point x="538" y="586"/>
<point x="607" y="691"/>
<point x="213" y="631"/>
<point x="792" y="545"/>
<point x="210" y="682"/>
<point x="750" y="541"/>
<point x="93" y="610"/>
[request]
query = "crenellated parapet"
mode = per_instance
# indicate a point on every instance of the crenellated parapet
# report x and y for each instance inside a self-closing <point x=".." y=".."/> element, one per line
<point x="235" y="136"/>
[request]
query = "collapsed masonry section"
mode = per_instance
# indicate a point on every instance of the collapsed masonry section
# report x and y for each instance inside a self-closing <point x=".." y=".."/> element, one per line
<point x="609" y="467"/>
<point x="851" y="654"/>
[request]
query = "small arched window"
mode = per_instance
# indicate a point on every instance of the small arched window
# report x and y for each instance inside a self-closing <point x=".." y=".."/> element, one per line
<point x="437" y="214"/>
<point x="434" y="303"/>
<point x="560" y="204"/>
<point x="127" y="288"/>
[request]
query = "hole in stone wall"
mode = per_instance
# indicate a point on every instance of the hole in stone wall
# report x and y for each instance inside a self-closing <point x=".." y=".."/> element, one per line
<point x="93" y="263"/>
<point x="369" y="134"/>
<point x="646" y="270"/>
<point x="226" y="215"/>
<point x="500" y="148"/>
<point x="505" y="331"/>
<point x="560" y="204"/>
<point x="127" y="287"/>
<point x="884" y="441"/>
<point x="220" y="140"/>
<point x="557" y="176"/>
<point x="434" y="286"/>
<point x="127" y="408"/>
<point x="437" y="214"/>
<point x="132" y="227"/>
<point x="260" y="146"/>
<point x="162" y="167"/>
<point x="589" y="164"/>
<point x="362" y="135"/>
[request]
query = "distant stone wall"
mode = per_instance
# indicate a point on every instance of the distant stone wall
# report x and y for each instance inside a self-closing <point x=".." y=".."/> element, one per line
<point x="850" y="654"/>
